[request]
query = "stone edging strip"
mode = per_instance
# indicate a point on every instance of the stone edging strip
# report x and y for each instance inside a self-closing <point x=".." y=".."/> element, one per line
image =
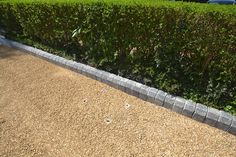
<point x="197" y="111"/>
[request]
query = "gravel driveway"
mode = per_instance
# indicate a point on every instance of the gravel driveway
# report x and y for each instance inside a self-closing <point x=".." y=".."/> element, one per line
<point x="46" y="110"/>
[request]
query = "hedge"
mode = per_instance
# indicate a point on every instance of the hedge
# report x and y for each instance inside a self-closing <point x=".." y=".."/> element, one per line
<point x="188" y="50"/>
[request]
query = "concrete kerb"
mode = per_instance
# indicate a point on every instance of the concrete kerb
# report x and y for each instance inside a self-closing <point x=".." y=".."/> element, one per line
<point x="232" y="128"/>
<point x="160" y="97"/>
<point x="109" y="80"/>
<point x="98" y="75"/>
<point x="115" y="81"/>
<point x="189" y="108"/>
<point x="129" y="84"/>
<point x="169" y="101"/>
<point x="143" y="92"/>
<point x="151" y="94"/>
<point x="92" y="73"/>
<point x="197" y="111"/>
<point x="200" y="112"/>
<point x="135" y="89"/>
<point x="212" y="116"/>
<point x="225" y="120"/>
<point x="179" y="105"/>
<point x="122" y="84"/>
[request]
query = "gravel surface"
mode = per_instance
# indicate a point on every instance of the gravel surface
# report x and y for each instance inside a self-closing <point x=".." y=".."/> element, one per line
<point x="46" y="110"/>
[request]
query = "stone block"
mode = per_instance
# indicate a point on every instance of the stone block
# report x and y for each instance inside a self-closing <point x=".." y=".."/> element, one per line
<point x="200" y="112"/>
<point x="115" y="81"/>
<point x="122" y="84"/>
<point x="169" y="101"/>
<point x="189" y="108"/>
<point x="160" y="98"/>
<point x="109" y="80"/>
<point x="104" y="76"/>
<point x="151" y="94"/>
<point x="212" y="116"/>
<point x="225" y="120"/>
<point x="232" y="128"/>
<point x="143" y="92"/>
<point x="129" y="84"/>
<point x="135" y="89"/>
<point x="179" y="104"/>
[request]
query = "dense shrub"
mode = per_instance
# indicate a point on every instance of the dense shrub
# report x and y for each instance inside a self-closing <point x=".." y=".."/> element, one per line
<point x="185" y="49"/>
<point x="197" y="1"/>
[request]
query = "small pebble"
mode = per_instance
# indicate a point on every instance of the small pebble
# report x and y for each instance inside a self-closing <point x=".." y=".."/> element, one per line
<point x="107" y="120"/>
<point x="85" y="100"/>
<point x="127" y="106"/>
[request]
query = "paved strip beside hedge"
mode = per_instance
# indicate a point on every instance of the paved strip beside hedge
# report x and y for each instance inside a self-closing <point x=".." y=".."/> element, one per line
<point x="46" y="110"/>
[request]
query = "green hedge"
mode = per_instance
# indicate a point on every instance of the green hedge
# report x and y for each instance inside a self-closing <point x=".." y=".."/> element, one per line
<point x="185" y="49"/>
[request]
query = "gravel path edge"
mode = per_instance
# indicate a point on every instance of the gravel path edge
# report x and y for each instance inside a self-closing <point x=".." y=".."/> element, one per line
<point x="202" y="113"/>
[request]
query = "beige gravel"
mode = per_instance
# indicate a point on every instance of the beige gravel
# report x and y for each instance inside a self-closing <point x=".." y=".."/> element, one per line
<point x="46" y="110"/>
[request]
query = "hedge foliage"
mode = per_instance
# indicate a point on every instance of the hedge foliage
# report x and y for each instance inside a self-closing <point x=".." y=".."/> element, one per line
<point x="185" y="49"/>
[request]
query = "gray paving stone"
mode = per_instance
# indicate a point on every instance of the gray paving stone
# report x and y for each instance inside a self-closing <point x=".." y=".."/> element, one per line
<point x="89" y="72"/>
<point x="200" y="112"/>
<point x="116" y="79"/>
<point x="50" y="56"/>
<point x="57" y="60"/>
<point x="79" y="67"/>
<point x="189" y="108"/>
<point x="44" y="57"/>
<point x="62" y="61"/>
<point x="109" y="79"/>
<point x="36" y="51"/>
<point x="104" y="76"/>
<point x="129" y="84"/>
<point x="169" y="101"/>
<point x="18" y="45"/>
<point x="84" y="70"/>
<point x="212" y="116"/>
<point x="135" y="89"/>
<point x="232" y="128"/>
<point x="160" y="98"/>
<point x="54" y="59"/>
<point x="43" y="54"/>
<point x="39" y="53"/>
<point x="93" y="73"/>
<point x="31" y="50"/>
<point x="151" y="94"/>
<point x="122" y="84"/>
<point x="69" y="64"/>
<point x="224" y="121"/>
<point x="143" y="92"/>
<point x="98" y="75"/>
<point x="179" y="104"/>
<point x="74" y="66"/>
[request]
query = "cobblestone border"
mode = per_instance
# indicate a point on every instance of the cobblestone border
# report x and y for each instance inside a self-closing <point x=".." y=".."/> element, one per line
<point x="197" y="111"/>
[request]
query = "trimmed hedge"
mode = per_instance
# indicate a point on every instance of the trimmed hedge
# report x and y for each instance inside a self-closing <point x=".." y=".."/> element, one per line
<point x="184" y="49"/>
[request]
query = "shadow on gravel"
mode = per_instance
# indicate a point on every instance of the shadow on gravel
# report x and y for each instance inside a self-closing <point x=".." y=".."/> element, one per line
<point x="6" y="52"/>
